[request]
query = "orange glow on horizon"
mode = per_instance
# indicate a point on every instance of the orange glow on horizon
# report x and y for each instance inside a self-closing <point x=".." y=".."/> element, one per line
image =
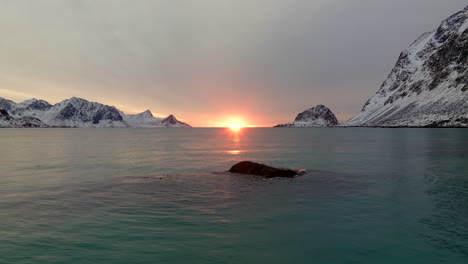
<point x="235" y="127"/>
<point x="232" y="122"/>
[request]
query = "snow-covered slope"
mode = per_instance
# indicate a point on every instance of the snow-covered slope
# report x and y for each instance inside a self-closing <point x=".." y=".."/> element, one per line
<point x="319" y="116"/>
<point x="6" y="104"/>
<point x="75" y="112"/>
<point x="8" y="121"/>
<point x="428" y="85"/>
<point x="171" y="121"/>
<point x="146" y="119"/>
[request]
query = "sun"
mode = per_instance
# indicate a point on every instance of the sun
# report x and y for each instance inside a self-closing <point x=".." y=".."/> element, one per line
<point x="235" y="127"/>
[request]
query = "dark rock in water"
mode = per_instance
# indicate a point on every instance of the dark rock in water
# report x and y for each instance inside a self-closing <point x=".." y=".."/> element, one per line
<point x="253" y="168"/>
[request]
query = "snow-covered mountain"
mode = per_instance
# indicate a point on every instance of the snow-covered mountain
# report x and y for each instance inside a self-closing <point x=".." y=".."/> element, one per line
<point x="171" y="121"/>
<point x="8" y="121"/>
<point x="146" y="119"/>
<point x="319" y="116"/>
<point x="75" y="112"/>
<point x="428" y="85"/>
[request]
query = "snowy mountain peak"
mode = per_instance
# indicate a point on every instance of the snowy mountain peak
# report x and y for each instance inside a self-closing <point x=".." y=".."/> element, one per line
<point x="29" y="101"/>
<point x="171" y="117"/>
<point x="6" y="104"/>
<point x="171" y="120"/>
<point x="313" y="117"/>
<point x="75" y="112"/>
<point x="35" y="104"/>
<point x="75" y="101"/>
<point x="78" y="112"/>
<point x="428" y="85"/>
<point x="145" y="114"/>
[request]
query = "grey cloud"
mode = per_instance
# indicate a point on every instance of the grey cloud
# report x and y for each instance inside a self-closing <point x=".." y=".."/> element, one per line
<point x="335" y="52"/>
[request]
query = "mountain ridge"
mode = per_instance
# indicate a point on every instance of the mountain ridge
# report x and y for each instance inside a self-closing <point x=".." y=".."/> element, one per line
<point x="76" y="112"/>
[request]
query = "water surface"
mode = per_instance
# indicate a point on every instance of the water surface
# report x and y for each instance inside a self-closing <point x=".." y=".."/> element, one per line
<point x="163" y="196"/>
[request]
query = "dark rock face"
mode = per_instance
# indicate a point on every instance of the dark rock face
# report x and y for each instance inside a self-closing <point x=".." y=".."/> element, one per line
<point x="29" y="121"/>
<point x="253" y="168"/>
<point x="68" y="112"/>
<point x="170" y="120"/>
<point x="4" y="114"/>
<point x="428" y="85"/>
<point x="106" y="113"/>
<point x="314" y="117"/>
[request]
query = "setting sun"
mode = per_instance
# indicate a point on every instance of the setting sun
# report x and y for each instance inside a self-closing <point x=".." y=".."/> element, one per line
<point x="235" y="127"/>
<point x="234" y="122"/>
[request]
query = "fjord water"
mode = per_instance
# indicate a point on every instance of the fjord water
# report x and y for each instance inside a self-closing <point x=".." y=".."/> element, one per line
<point x="163" y="196"/>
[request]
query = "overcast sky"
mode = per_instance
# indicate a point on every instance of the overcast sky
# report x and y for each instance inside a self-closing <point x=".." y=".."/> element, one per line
<point x="210" y="61"/>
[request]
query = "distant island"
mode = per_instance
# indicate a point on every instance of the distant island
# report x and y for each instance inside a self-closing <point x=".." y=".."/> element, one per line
<point x="76" y="112"/>
<point x="319" y="116"/>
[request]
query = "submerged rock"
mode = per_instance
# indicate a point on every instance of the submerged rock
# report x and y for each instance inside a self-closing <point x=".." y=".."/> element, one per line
<point x="253" y="168"/>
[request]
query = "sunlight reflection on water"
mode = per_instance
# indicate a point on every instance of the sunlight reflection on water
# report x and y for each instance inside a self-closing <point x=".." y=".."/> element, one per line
<point x="235" y="136"/>
<point x="163" y="195"/>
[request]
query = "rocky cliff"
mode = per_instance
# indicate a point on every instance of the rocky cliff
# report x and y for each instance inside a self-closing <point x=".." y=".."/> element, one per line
<point x="428" y="85"/>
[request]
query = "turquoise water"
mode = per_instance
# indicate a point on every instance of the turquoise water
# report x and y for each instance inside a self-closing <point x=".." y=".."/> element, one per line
<point x="162" y="196"/>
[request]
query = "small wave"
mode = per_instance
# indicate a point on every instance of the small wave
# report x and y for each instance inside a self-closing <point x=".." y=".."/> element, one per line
<point x="144" y="179"/>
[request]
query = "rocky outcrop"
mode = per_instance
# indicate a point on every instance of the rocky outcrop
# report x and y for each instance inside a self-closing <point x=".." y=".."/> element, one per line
<point x="319" y="116"/>
<point x="428" y="85"/>
<point x="253" y="168"/>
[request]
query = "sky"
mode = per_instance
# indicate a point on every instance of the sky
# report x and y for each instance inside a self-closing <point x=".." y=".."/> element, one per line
<point x="210" y="62"/>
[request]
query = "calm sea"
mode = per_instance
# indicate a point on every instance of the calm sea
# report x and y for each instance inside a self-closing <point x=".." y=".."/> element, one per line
<point x="163" y="196"/>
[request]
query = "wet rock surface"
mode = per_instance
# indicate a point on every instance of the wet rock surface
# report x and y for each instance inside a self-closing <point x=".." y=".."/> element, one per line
<point x="253" y="168"/>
